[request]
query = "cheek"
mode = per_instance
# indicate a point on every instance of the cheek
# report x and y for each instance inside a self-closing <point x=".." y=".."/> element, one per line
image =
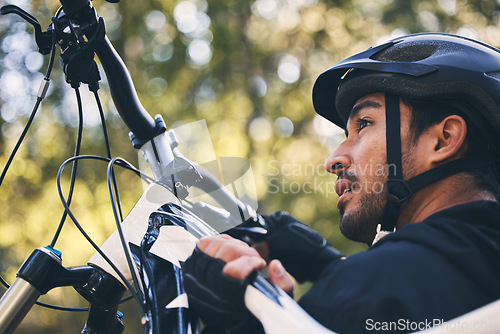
<point x="372" y="161"/>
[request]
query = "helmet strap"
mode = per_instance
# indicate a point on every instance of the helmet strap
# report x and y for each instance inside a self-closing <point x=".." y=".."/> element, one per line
<point x="394" y="166"/>
<point x="399" y="190"/>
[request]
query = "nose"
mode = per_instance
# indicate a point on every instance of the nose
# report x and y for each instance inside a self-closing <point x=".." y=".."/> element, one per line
<point x="338" y="161"/>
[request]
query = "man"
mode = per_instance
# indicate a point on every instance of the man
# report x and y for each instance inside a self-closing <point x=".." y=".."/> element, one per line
<point x="425" y="108"/>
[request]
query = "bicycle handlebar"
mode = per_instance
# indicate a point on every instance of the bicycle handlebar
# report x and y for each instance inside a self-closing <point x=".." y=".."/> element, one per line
<point x="124" y="94"/>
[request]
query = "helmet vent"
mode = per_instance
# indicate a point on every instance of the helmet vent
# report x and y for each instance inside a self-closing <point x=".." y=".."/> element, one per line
<point x="494" y="74"/>
<point x="408" y="53"/>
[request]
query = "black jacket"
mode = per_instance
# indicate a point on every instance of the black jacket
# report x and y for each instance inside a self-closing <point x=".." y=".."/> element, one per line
<point x="423" y="274"/>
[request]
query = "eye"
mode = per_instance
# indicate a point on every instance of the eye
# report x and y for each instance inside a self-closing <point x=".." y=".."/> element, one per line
<point x="361" y="124"/>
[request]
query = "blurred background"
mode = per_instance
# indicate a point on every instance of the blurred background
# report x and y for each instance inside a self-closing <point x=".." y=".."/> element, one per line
<point x="245" y="67"/>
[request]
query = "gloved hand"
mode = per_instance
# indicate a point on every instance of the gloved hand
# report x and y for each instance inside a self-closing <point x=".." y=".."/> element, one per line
<point x="303" y="251"/>
<point x="218" y="298"/>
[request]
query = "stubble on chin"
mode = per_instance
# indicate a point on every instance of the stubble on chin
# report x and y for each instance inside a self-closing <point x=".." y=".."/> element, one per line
<point x="360" y="223"/>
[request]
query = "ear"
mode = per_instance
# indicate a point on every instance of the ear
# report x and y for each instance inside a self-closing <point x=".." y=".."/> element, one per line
<point x="449" y="139"/>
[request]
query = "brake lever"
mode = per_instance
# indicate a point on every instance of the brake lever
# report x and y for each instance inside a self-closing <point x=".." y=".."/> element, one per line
<point x="43" y="38"/>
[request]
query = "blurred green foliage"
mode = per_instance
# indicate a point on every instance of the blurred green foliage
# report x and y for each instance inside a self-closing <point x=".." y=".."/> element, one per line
<point x="246" y="67"/>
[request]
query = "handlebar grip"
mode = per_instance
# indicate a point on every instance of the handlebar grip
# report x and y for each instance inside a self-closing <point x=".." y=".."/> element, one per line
<point x="123" y="93"/>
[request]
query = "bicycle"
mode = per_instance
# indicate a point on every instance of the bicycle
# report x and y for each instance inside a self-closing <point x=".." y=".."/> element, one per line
<point x="79" y="32"/>
<point x="140" y="258"/>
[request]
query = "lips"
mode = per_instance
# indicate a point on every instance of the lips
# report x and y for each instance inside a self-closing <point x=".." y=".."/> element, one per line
<point x="343" y="186"/>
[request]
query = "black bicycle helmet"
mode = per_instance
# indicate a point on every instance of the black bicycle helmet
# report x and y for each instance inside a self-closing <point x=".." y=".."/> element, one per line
<point x="419" y="67"/>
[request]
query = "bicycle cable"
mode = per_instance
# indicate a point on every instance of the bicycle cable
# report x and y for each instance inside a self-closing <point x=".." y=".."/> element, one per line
<point x="121" y="163"/>
<point x="72" y="180"/>
<point x="74" y="167"/>
<point x="108" y="149"/>
<point x="110" y="174"/>
<point x="71" y="215"/>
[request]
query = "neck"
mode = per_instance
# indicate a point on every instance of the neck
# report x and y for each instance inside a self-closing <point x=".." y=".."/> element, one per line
<point x="438" y="196"/>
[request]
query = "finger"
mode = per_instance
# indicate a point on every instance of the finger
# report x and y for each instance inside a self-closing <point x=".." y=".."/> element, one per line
<point x="243" y="266"/>
<point x="233" y="250"/>
<point x="279" y="276"/>
<point x="225" y="248"/>
<point x="210" y="245"/>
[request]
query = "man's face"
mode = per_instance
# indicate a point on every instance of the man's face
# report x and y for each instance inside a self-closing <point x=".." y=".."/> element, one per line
<point x="361" y="166"/>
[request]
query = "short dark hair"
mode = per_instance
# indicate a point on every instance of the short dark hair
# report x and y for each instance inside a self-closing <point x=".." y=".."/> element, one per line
<point x="428" y="113"/>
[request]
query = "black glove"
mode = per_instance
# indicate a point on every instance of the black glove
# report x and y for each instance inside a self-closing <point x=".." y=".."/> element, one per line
<point x="303" y="251"/>
<point x="218" y="298"/>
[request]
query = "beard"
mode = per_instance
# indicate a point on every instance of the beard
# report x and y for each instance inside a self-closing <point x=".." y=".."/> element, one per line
<point x="360" y="224"/>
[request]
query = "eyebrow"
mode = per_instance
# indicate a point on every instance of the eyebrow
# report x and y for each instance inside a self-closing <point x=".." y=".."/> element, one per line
<point x="365" y="104"/>
<point x="358" y="107"/>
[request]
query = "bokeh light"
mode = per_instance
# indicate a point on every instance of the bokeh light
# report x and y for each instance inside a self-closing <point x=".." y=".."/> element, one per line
<point x="260" y="129"/>
<point x="199" y="52"/>
<point x="283" y="126"/>
<point x="288" y="68"/>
